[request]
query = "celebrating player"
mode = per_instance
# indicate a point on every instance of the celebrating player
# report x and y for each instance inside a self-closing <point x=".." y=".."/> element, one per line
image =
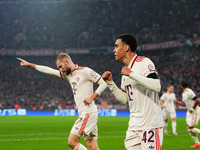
<point x="81" y="80"/>
<point x="167" y="103"/>
<point x="140" y="86"/>
<point x="189" y="99"/>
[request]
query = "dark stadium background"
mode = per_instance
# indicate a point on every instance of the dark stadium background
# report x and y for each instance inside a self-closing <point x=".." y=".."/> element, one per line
<point x="168" y="32"/>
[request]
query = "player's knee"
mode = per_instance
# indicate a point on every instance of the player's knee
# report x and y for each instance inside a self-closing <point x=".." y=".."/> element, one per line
<point x="93" y="147"/>
<point x="71" y="143"/>
<point x="174" y="119"/>
<point x="190" y="129"/>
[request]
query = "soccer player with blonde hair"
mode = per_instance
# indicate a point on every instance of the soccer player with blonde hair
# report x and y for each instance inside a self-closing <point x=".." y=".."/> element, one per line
<point x="81" y="80"/>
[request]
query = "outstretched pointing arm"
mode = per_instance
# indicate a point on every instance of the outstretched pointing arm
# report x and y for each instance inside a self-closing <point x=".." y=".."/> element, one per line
<point x="26" y="63"/>
<point x="43" y="69"/>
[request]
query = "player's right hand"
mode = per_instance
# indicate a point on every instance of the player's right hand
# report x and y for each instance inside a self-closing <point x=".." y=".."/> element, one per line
<point x="23" y="62"/>
<point x="107" y="76"/>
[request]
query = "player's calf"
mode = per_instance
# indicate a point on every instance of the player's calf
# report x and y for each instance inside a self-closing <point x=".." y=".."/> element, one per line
<point x="73" y="141"/>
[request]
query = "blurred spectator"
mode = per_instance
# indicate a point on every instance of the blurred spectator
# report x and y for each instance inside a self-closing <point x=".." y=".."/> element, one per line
<point x="29" y="88"/>
<point x="83" y="24"/>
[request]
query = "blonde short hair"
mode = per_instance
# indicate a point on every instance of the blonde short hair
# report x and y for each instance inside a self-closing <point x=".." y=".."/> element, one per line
<point x="63" y="55"/>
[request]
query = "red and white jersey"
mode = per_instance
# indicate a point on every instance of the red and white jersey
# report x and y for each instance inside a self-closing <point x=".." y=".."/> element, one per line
<point x="187" y="97"/>
<point x="144" y="104"/>
<point x="81" y="81"/>
<point x="168" y="99"/>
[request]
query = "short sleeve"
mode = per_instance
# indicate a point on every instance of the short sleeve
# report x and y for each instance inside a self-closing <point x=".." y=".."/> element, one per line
<point x="192" y="94"/>
<point x="163" y="97"/>
<point x="174" y="97"/>
<point x="184" y="97"/>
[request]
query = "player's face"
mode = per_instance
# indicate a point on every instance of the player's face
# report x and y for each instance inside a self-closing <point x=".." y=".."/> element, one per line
<point x="119" y="50"/>
<point x="63" y="66"/>
<point x="171" y="89"/>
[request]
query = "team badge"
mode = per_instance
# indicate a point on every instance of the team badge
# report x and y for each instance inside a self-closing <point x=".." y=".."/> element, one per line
<point x="151" y="67"/>
<point x="77" y="79"/>
<point x="94" y="74"/>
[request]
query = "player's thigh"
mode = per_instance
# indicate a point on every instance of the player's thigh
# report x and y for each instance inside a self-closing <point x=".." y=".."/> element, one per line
<point x="192" y="119"/>
<point x="172" y="115"/>
<point x="92" y="144"/>
<point x="135" y="147"/>
<point x="132" y="139"/>
<point x="85" y="124"/>
<point x="91" y="130"/>
<point x="166" y="115"/>
<point x="152" y="139"/>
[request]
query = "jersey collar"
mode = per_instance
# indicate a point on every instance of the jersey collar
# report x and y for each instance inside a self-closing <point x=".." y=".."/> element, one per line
<point x="132" y="61"/>
<point x="75" y="67"/>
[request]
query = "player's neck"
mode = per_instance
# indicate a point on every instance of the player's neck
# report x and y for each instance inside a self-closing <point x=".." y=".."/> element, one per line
<point x="73" y="67"/>
<point x="129" y="56"/>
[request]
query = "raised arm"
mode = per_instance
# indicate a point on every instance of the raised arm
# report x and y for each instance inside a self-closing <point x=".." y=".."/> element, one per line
<point x="40" y="68"/>
<point x="149" y="82"/>
<point x="118" y="93"/>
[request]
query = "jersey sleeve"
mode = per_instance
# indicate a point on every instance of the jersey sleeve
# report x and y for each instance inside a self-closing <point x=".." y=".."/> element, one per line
<point x="191" y="94"/>
<point x="148" y="67"/>
<point x="50" y="71"/>
<point x="123" y="85"/>
<point x="163" y="97"/>
<point x="94" y="77"/>
<point x="184" y="97"/>
<point x="174" y="97"/>
<point x="91" y="75"/>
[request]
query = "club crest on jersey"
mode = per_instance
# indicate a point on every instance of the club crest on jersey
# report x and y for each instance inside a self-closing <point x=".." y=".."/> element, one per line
<point x="77" y="79"/>
<point x="151" y="67"/>
<point x="94" y="74"/>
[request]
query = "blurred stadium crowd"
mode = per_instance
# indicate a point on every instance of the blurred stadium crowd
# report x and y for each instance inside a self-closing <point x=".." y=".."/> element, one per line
<point x="27" y="87"/>
<point x="87" y="23"/>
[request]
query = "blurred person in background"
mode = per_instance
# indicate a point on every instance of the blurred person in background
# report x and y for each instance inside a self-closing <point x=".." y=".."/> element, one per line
<point x="190" y="100"/>
<point x="167" y="102"/>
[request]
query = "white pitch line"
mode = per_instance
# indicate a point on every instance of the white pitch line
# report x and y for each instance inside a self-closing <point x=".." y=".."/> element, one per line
<point x="35" y="139"/>
<point x="56" y="133"/>
<point x="42" y="139"/>
<point x="37" y="134"/>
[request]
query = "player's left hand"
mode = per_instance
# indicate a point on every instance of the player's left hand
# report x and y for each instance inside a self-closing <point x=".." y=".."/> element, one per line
<point x="125" y="71"/>
<point x="88" y="100"/>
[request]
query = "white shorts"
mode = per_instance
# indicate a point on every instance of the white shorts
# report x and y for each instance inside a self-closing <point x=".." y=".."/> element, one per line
<point x="192" y="119"/>
<point x="167" y="114"/>
<point x="148" y="139"/>
<point x="86" y="125"/>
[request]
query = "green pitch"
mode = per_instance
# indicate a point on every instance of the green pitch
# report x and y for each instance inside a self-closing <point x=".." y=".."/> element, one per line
<point x="50" y="133"/>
